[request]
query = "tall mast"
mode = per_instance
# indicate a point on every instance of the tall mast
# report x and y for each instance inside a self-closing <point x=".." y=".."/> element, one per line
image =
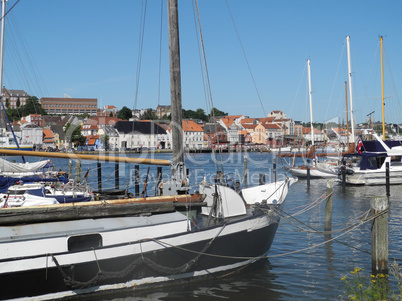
<point x="382" y="93"/>
<point x="2" y="101"/>
<point x="352" y="119"/>
<point x="3" y="9"/>
<point x="311" y="102"/>
<point x="347" y="114"/>
<point x="175" y="82"/>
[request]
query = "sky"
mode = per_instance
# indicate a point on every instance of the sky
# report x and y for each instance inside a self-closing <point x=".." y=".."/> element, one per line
<point x="256" y="53"/>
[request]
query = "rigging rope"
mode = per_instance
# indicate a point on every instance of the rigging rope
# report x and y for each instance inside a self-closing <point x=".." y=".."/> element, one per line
<point x="102" y="275"/>
<point x="1" y="18"/>
<point x="160" y="55"/>
<point x="207" y="85"/>
<point x="140" y="49"/>
<point x="245" y="57"/>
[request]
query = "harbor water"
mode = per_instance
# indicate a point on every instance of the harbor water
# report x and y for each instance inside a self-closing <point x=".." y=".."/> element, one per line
<point x="303" y="263"/>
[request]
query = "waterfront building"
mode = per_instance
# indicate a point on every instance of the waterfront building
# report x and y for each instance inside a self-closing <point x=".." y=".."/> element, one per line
<point x="138" y="134"/>
<point x="193" y="134"/>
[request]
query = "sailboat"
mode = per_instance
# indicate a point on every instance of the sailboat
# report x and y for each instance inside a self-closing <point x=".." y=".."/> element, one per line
<point x="74" y="250"/>
<point x="309" y="170"/>
<point x="369" y="166"/>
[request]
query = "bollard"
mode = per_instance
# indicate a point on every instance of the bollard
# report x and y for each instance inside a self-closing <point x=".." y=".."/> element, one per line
<point x="387" y="179"/>
<point x="328" y="206"/>
<point x="379" y="236"/>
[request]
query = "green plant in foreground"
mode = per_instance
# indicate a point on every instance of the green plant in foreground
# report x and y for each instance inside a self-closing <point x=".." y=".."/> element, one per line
<point x="376" y="287"/>
<point x="396" y="271"/>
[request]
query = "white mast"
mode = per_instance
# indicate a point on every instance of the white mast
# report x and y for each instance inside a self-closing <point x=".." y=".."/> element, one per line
<point x="352" y="120"/>
<point x="3" y="9"/>
<point x="311" y="102"/>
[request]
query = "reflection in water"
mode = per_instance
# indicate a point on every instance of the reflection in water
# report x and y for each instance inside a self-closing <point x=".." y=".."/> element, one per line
<point x="253" y="283"/>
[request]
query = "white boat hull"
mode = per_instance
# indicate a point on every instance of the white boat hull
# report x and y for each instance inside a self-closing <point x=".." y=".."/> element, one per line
<point x="373" y="177"/>
<point x="314" y="173"/>
<point x="66" y="259"/>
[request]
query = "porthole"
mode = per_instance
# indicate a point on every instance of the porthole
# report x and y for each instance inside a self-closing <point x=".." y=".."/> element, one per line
<point x="84" y="242"/>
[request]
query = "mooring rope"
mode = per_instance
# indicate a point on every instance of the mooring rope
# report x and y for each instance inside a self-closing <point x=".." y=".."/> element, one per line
<point x="102" y="275"/>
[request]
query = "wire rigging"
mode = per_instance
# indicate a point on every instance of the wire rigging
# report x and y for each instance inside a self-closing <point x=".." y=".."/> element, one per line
<point x="160" y="54"/>
<point x="206" y="82"/>
<point x="245" y="57"/>
<point x="6" y="13"/>
<point x="140" y="49"/>
<point x="330" y="102"/>
<point x="38" y="86"/>
<point x="28" y="72"/>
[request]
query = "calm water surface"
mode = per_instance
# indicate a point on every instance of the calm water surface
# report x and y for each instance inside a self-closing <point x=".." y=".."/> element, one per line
<point x="311" y="274"/>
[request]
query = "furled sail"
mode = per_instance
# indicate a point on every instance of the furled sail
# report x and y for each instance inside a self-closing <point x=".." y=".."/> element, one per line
<point x="6" y="166"/>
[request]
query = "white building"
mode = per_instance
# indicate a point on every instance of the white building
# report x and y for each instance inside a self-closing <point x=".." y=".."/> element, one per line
<point x="31" y="133"/>
<point x="138" y="134"/>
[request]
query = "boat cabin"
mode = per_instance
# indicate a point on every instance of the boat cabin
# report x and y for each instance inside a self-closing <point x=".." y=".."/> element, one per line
<point x="370" y="160"/>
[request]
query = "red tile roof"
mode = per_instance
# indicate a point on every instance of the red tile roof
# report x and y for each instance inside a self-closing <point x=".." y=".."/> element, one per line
<point x="48" y="134"/>
<point x="191" y="126"/>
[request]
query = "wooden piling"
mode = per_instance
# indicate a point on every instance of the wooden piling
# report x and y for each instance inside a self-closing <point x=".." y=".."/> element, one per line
<point x="245" y="171"/>
<point x="144" y="190"/>
<point x="158" y="179"/>
<point x="99" y="176"/>
<point x="70" y="169"/>
<point x="343" y="171"/>
<point x="77" y="171"/>
<point x="379" y="236"/>
<point x="387" y="183"/>
<point x="137" y="180"/>
<point x="274" y="167"/>
<point x="308" y="173"/>
<point x="328" y="206"/>
<point x="262" y="179"/>
<point x="116" y="176"/>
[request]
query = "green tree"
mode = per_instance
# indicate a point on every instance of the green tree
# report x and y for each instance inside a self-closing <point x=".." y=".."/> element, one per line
<point x="105" y="141"/>
<point x="73" y="134"/>
<point x="32" y="106"/>
<point x="215" y="112"/>
<point x="125" y="113"/>
<point x="167" y="117"/>
<point x="198" y="114"/>
<point x="187" y="114"/>
<point x="149" y="114"/>
<point x="13" y="114"/>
